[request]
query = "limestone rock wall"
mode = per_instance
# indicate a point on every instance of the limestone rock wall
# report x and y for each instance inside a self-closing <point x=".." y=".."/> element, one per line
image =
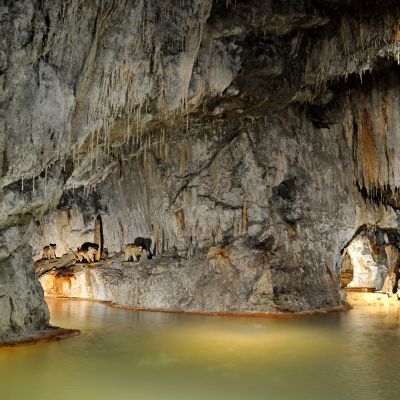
<point x="293" y="191"/>
<point x="212" y="284"/>
<point x="265" y="182"/>
<point x="153" y="101"/>
<point x="68" y="71"/>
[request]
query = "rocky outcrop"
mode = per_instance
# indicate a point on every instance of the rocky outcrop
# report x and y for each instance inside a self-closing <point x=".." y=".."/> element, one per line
<point x="199" y="124"/>
<point x="372" y="259"/>
<point x="266" y="183"/>
<point x="367" y="273"/>
<point x="227" y="187"/>
<point x="234" y="278"/>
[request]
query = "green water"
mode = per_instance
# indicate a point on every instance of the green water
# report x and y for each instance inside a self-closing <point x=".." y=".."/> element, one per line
<point x="137" y="355"/>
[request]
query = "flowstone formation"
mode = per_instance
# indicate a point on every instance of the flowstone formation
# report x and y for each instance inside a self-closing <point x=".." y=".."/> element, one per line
<point x="249" y="140"/>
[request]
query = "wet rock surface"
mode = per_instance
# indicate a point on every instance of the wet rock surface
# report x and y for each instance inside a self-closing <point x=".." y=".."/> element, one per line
<point x="235" y="278"/>
<point x="220" y="190"/>
<point x="199" y="124"/>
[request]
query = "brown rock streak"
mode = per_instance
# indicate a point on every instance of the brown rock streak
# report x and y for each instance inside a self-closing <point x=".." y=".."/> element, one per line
<point x="368" y="150"/>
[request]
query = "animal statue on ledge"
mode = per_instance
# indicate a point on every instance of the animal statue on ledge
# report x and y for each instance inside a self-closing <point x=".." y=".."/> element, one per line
<point x="87" y="252"/>
<point x="132" y="252"/>
<point x="145" y="243"/>
<point x="49" y="252"/>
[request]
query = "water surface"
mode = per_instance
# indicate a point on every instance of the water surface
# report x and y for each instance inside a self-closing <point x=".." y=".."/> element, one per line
<point x="143" y="355"/>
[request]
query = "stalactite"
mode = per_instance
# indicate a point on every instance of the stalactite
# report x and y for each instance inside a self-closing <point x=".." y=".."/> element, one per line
<point x="219" y="236"/>
<point x="91" y="150"/>
<point x="234" y="227"/>
<point x="245" y="218"/>
<point x="128" y="128"/>
<point x="97" y="147"/>
<point x="196" y="231"/>
<point x="45" y="178"/>
<point x="209" y="234"/>
<point x="145" y="155"/>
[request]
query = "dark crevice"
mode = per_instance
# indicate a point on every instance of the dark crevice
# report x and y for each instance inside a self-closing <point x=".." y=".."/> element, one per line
<point x="219" y="203"/>
<point x="356" y="233"/>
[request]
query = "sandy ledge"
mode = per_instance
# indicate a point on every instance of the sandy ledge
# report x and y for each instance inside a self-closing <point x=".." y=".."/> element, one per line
<point x="237" y="313"/>
<point x="45" y="336"/>
<point x="249" y="314"/>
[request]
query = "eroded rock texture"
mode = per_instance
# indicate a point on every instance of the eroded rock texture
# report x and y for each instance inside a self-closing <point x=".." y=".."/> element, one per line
<point x="200" y="124"/>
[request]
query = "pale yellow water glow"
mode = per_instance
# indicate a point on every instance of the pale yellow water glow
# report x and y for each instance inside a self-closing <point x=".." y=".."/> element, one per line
<point x="139" y="355"/>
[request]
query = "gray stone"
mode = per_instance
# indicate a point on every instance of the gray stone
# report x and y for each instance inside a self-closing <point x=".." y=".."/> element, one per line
<point x="198" y="124"/>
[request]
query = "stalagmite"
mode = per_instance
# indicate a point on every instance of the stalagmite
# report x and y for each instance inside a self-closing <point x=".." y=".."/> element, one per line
<point x="98" y="237"/>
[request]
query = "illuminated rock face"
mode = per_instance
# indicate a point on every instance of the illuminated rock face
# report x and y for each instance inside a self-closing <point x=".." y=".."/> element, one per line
<point x="372" y="260"/>
<point x="367" y="271"/>
<point x="196" y="124"/>
<point x="226" y="190"/>
<point x="202" y="283"/>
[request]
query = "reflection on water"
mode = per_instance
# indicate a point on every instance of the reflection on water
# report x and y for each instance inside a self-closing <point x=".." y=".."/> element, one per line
<point x="138" y="355"/>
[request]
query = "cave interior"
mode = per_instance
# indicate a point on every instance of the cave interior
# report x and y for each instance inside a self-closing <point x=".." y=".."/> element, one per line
<point x="199" y="156"/>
